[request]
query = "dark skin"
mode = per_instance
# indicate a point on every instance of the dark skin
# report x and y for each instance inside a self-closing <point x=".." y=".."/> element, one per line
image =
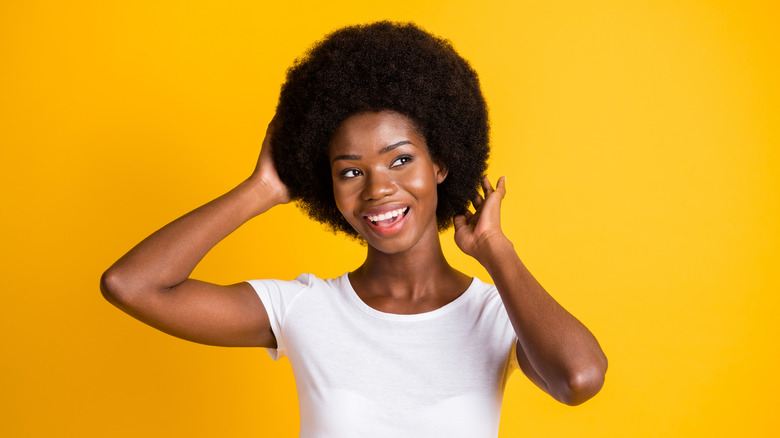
<point x="385" y="186"/>
<point x="405" y="270"/>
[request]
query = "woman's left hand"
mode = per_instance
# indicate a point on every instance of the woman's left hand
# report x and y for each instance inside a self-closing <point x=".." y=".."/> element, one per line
<point x="475" y="232"/>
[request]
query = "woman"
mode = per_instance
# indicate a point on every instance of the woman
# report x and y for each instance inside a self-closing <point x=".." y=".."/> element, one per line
<point x="381" y="132"/>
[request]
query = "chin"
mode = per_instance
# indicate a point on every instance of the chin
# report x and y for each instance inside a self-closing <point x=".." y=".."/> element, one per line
<point x="396" y="244"/>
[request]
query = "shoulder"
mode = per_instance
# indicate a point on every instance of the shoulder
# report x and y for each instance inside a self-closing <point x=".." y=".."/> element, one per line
<point x="303" y="281"/>
<point x="280" y="297"/>
<point x="484" y="300"/>
<point x="289" y="289"/>
<point x="484" y="293"/>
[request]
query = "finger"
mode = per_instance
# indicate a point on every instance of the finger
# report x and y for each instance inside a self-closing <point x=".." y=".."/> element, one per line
<point x="269" y="131"/>
<point x="486" y="186"/>
<point x="271" y="126"/>
<point x="459" y="221"/>
<point x="501" y="186"/>
<point x="466" y="217"/>
<point x="477" y="200"/>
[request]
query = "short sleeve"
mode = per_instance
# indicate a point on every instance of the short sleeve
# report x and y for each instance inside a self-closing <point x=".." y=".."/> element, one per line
<point x="277" y="297"/>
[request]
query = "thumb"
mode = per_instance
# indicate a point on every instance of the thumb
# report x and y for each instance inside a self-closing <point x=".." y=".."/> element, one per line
<point x="501" y="185"/>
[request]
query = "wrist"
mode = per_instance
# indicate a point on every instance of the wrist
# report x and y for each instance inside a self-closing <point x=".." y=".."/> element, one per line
<point x="492" y="249"/>
<point x="259" y="196"/>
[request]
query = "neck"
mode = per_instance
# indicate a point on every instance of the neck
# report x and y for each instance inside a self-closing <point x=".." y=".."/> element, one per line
<point x="415" y="273"/>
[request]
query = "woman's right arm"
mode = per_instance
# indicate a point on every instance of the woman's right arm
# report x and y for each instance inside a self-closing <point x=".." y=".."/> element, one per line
<point x="151" y="282"/>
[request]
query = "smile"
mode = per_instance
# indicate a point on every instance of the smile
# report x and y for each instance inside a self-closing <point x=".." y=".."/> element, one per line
<point x="389" y="222"/>
<point x="387" y="217"/>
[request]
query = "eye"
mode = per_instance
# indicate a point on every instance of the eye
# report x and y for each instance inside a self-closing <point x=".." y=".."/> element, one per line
<point x="400" y="161"/>
<point x="350" y="173"/>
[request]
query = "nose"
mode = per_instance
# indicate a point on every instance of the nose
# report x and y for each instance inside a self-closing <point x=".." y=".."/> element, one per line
<point x="378" y="185"/>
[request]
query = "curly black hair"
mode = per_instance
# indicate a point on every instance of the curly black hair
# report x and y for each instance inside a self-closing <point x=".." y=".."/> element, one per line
<point x="375" y="67"/>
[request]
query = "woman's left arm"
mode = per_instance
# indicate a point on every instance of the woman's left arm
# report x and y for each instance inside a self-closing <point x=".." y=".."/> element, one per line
<point x="555" y="350"/>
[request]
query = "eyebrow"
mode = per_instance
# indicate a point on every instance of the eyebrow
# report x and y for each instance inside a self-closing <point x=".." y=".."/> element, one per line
<point x="384" y="150"/>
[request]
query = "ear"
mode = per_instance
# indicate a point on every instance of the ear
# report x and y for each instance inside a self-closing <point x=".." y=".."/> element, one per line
<point x="440" y="172"/>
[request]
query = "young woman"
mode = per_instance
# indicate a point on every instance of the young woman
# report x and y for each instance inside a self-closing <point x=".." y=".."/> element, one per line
<point x="381" y="132"/>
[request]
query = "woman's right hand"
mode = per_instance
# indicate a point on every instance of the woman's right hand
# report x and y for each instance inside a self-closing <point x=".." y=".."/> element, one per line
<point x="152" y="281"/>
<point x="265" y="174"/>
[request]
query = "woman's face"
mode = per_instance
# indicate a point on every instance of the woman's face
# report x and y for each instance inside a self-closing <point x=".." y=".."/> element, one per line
<point x="384" y="180"/>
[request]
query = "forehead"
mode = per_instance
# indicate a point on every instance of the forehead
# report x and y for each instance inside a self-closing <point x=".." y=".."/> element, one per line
<point x="373" y="130"/>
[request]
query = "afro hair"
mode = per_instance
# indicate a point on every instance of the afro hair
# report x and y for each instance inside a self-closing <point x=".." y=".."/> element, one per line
<point x="380" y="66"/>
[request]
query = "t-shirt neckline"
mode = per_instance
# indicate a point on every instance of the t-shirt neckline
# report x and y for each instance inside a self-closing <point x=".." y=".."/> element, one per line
<point x="402" y="316"/>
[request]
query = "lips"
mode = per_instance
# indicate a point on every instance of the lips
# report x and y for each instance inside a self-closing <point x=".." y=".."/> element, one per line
<point x="388" y="221"/>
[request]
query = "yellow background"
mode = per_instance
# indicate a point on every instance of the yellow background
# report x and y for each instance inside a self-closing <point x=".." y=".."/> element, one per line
<point x="640" y="141"/>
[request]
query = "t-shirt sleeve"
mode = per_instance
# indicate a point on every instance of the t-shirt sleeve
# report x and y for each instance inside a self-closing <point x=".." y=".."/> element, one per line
<point x="506" y="338"/>
<point x="277" y="296"/>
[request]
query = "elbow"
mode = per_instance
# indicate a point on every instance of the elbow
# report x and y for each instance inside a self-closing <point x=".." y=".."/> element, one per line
<point x="582" y="385"/>
<point x="115" y="288"/>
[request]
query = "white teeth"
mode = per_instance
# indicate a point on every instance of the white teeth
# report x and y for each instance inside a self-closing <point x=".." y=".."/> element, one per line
<point x="388" y="215"/>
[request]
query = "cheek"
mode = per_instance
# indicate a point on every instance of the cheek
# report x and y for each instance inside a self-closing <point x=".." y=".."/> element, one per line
<point x="338" y="197"/>
<point x="343" y="197"/>
<point x="423" y="183"/>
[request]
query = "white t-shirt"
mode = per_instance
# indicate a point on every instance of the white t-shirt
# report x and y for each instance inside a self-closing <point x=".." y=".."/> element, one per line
<point x="365" y="373"/>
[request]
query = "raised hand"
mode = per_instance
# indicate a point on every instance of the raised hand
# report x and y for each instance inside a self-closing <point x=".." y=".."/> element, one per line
<point x="475" y="231"/>
<point x="265" y="173"/>
<point x="152" y="281"/>
<point x="555" y="350"/>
